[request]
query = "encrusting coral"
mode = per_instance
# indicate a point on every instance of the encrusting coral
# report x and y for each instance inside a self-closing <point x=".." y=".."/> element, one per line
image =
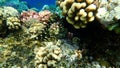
<point x="78" y="12"/>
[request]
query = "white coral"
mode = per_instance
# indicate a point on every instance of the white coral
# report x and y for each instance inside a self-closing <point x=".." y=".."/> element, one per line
<point x="108" y="11"/>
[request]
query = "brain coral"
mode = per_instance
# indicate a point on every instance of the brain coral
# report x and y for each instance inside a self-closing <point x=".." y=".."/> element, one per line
<point x="78" y="12"/>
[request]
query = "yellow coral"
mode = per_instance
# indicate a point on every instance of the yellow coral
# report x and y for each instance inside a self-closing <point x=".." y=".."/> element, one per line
<point x="13" y="23"/>
<point x="78" y="12"/>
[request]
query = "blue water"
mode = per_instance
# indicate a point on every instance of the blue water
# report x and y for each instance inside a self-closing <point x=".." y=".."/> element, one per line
<point x="39" y="3"/>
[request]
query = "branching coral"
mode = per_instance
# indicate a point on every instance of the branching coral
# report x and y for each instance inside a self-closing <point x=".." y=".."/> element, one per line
<point x="9" y="19"/>
<point x="48" y="56"/>
<point x="78" y="12"/>
<point x="42" y="16"/>
<point x="56" y="54"/>
<point x="42" y="24"/>
<point x="45" y="15"/>
<point x="28" y="15"/>
<point x="13" y="23"/>
<point x="37" y="29"/>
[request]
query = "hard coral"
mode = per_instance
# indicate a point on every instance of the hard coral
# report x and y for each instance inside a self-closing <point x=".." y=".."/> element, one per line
<point x="9" y="17"/>
<point x="42" y="16"/>
<point x="45" y="15"/>
<point x="57" y="54"/>
<point x="48" y="56"/>
<point x="78" y="12"/>
<point x="28" y="15"/>
<point x="6" y="11"/>
<point x="108" y="14"/>
<point x="13" y="23"/>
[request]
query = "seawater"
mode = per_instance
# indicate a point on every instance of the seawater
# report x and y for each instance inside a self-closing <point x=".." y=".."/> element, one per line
<point x="39" y="3"/>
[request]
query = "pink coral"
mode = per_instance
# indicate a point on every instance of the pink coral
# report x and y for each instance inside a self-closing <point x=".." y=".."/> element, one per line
<point x="28" y="15"/>
<point x="42" y="16"/>
<point x="45" y="15"/>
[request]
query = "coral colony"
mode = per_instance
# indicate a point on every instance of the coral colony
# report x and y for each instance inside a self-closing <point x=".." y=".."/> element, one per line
<point x="40" y="39"/>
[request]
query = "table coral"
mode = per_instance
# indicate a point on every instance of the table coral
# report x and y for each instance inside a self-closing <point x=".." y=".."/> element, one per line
<point x="78" y="12"/>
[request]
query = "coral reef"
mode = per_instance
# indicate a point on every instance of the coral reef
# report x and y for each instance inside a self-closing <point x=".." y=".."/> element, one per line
<point x="43" y="39"/>
<point x="28" y="52"/>
<point x="17" y="49"/>
<point x="78" y="12"/>
<point x="42" y="24"/>
<point x="56" y="54"/>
